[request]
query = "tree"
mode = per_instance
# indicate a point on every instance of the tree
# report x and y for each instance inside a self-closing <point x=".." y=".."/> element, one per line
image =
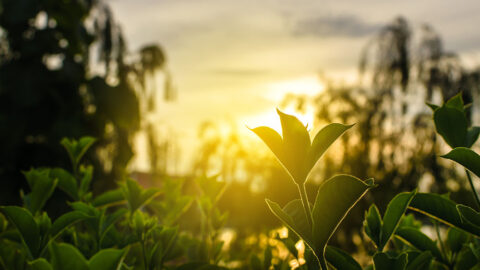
<point x="64" y="73"/>
<point x="394" y="139"/>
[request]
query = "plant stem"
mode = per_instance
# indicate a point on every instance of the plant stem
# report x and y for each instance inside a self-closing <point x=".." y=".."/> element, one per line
<point x="475" y="194"/>
<point x="306" y="204"/>
<point x="439" y="237"/>
<point x="323" y="263"/>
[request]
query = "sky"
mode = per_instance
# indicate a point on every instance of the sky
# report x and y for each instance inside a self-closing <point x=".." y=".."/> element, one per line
<point x="233" y="61"/>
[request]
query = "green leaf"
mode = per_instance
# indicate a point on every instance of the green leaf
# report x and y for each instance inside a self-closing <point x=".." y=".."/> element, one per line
<point x="136" y="196"/>
<point x="66" y="182"/>
<point x="296" y="143"/>
<point x="469" y="215"/>
<point x="65" y="256"/>
<point x="432" y="106"/>
<point x="452" y="124"/>
<point x="66" y="220"/>
<point x="322" y="141"/>
<point x="472" y="135"/>
<point x="455" y="102"/>
<point x="335" y="198"/>
<point x="211" y="187"/>
<point x="42" y="186"/>
<point x="109" y="198"/>
<point x="373" y="224"/>
<point x="293" y="216"/>
<point x="40" y="264"/>
<point x="466" y="260"/>
<point x="272" y="139"/>
<point x="421" y="261"/>
<point x="383" y="262"/>
<point x="166" y="242"/>
<point x="26" y="226"/>
<point x="394" y="213"/>
<point x="76" y="149"/>
<point x="441" y="209"/>
<point x="420" y="241"/>
<point x="340" y="259"/>
<point x="86" y="173"/>
<point x="106" y="259"/>
<point x="293" y="149"/>
<point x="465" y="157"/>
<point x="455" y="239"/>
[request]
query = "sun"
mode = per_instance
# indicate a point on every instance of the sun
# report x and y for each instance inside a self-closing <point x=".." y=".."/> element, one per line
<point x="307" y="85"/>
<point x="276" y="92"/>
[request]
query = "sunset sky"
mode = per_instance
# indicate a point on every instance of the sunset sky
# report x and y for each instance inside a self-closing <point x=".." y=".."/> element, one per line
<point x="232" y="61"/>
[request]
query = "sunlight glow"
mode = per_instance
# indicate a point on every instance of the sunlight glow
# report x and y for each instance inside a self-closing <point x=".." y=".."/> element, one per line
<point x="271" y="119"/>
<point x="308" y="85"/>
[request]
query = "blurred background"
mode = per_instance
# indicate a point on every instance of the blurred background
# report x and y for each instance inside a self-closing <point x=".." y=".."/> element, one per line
<point x="169" y="88"/>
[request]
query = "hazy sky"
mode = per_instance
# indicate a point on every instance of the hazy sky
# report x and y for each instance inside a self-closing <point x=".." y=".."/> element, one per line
<point x="233" y="60"/>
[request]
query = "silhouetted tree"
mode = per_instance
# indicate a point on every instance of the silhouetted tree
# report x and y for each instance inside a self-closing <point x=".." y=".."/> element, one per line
<point x="64" y="73"/>
<point x="394" y="139"/>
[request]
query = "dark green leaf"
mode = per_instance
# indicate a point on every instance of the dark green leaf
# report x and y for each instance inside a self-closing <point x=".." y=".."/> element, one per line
<point x="106" y="259"/>
<point x="432" y="106"/>
<point x="335" y="198"/>
<point x="472" y="135"/>
<point x="465" y="157"/>
<point x="26" y="226"/>
<point x="452" y="124"/>
<point x="420" y="241"/>
<point x="109" y="198"/>
<point x="86" y="177"/>
<point x="42" y="187"/>
<point x="40" y="264"/>
<point x="466" y="260"/>
<point x="441" y="209"/>
<point x="455" y="102"/>
<point x="384" y="262"/>
<point x="373" y="224"/>
<point x="394" y="213"/>
<point x="420" y="262"/>
<point x="455" y="239"/>
<point x="66" y="182"/>
<point x="469" y="215"/>
<point x="65" y="221"/>
<point x="340" y="259"/>
<point x="295" y="219"/>
<point x="76" y="149"/>
<point x="65" y="256"/>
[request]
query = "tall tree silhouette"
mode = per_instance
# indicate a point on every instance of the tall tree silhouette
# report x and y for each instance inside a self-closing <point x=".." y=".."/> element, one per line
<point x="63" y="73"/>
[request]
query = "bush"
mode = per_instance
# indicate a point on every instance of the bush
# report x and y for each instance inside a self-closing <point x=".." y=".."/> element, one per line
<point x="135" y="228"/>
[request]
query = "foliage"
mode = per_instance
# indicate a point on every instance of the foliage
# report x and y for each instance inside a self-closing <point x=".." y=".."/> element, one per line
<point x="113" y="230"/>
<point x="135" y="228"/>
<point x="65" y="73"/>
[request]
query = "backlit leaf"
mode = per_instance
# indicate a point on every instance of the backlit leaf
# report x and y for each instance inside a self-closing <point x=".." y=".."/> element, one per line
<point x="394" y="213"/>
<point x="465" y="157"/>
<point x="335" y="198"/>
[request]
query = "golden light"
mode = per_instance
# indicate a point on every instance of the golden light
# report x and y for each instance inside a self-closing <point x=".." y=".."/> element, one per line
<point x="307" y="86"/>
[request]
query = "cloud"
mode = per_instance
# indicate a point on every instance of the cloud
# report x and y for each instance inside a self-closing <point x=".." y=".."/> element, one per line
<point x="335" y="26"/>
